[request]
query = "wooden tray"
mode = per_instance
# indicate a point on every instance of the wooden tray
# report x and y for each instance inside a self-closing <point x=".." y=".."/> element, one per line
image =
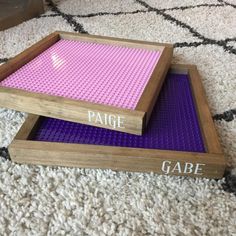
<point x="15" y="12"/>
<point x="105" y="82"/>
<point x="180" y="139"/>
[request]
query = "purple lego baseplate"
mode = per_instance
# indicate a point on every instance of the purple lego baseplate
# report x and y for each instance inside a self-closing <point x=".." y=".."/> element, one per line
<point x="173" y="124"/>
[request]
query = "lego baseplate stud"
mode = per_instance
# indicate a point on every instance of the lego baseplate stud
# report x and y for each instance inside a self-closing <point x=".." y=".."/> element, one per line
<point x="100" y="81"/>
<point x="180" y="138"/>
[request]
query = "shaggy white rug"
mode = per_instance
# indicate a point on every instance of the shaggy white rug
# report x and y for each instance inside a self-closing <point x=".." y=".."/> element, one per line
<point x="36" y="200"/>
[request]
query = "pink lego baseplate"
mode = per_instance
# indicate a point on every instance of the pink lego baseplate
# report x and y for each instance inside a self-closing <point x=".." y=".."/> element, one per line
<point x="98" y="73"/>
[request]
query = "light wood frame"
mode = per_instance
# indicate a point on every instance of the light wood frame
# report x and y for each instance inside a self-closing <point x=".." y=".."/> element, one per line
<point x="135" y="121"/>
<point x="210" y="164"/>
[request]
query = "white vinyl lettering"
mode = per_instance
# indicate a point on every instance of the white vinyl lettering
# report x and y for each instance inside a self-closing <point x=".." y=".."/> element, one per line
<point x="188" y="168"/>
<point x="120" y="122"/>
<point x="179" y="167"/>
<point x="166" y="167"/>
<point x="112" y="121"/>
<point x="98" y="119"/>
<point x="198" y="169"/>
<point x="106" y="119"/>
<point x="91" y="114"/>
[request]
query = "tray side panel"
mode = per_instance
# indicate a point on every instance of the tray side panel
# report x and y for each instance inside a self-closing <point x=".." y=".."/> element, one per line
<point x="126" y="159"/>
<point x="28" y="126"/>
<point x="151" y="92"/>
<point x="113" y="41"/>
<point x="205" y="119"/>
<point x="76" y="111"/>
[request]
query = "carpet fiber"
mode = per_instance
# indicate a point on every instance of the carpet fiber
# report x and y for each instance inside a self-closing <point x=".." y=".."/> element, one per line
<point x="36" y="200"/>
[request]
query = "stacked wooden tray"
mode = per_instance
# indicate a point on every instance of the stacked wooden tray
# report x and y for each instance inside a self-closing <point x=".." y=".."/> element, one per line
<point x="101" y="102"/>
<point x="105" y="82"/>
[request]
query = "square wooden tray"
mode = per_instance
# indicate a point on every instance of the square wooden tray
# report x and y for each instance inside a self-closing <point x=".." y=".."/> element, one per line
<point x="94" y="152"/>
<point x="130" y="120"/>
